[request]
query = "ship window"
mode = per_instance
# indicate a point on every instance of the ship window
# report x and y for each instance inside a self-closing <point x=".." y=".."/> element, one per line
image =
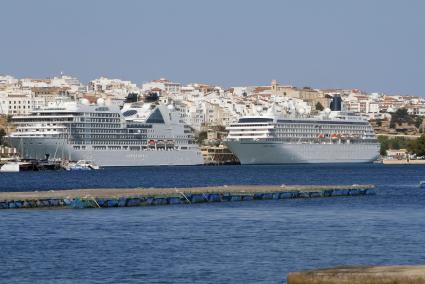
<point x="255" y="119"/>
<point x="129" y="112"/>
<point x="155" y="117"/>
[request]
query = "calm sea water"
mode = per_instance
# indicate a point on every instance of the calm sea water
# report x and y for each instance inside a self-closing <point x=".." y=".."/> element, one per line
<point x="241" y="242"/>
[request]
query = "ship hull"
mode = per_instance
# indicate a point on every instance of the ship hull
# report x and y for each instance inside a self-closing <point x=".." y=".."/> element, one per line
<point x="37" y="148"/>
<point x="256" y="152"/>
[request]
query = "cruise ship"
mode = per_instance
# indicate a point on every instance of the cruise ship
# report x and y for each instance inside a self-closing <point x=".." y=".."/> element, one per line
<point x="327" y="138"/>
<point x="139" y="134"/>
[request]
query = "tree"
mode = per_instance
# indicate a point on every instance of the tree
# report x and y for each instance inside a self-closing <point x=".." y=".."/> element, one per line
<point x="2" y="134"/>
<point x="132" y="98"/>
<point x="201" y="137"/>
<point x="319" y="106"/>
<point x="395" y="143"/>
<point x="401" y="116"/>
<point x="418" y="121"/>
<point x="384" y="145"/>
<point x="398" y="143"/>
<point x="221" y="128"/>
<point x="418" y="146"/>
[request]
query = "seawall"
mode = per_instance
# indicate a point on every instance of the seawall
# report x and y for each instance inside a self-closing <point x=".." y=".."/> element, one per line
<point x="361" y="275"/>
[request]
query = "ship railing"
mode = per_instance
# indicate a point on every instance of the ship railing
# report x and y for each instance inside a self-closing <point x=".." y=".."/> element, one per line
<point x="298" y="140"/>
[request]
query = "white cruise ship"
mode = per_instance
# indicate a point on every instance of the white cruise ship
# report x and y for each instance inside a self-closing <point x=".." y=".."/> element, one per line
<point x="329" y="138"/>
<point x="138" y="135"/>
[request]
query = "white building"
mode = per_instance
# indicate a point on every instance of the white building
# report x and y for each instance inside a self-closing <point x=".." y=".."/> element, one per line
<point x="372" y="107"/>
<point x="8" y="80"/>
<point x="64" y="81"/>
<point x="117" y="88"/>
<point x="18" y="102"/>
<point x="164" y="85"/>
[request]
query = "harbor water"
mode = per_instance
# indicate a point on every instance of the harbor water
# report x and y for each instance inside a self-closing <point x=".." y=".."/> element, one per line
<point x="236" y="242"/>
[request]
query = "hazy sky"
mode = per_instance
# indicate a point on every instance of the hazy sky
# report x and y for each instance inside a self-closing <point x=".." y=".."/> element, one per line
<point x="372" y="45"/>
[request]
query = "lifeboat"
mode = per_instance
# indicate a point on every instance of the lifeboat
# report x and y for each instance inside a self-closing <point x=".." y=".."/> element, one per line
<point x="152" y="144"/>
<point x="160" y="144"/>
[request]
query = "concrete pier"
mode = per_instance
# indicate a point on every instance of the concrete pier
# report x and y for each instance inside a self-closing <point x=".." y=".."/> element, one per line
<point x="129" y="197"/>
<point x="361" y="275"/>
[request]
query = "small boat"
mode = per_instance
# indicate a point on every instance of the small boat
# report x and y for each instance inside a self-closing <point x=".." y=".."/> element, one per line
<point x="81" y="165"/>
<point x="10" y="167"/>
<point x="48" y="164"/>
<point x="14" y="166"/>
<point x="422" y="184"/>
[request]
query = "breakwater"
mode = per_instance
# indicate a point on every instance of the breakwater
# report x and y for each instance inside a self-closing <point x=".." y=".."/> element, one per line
<point x="106" y="198"/>
<point x="361" y="275"/>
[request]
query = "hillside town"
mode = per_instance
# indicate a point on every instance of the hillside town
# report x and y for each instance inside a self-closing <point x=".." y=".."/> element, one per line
<point x="201" y="104"/>
<point x="206" y="107"/>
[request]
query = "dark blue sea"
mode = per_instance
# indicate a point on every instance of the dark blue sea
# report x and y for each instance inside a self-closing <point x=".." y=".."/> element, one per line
<point x="235" y="242"/>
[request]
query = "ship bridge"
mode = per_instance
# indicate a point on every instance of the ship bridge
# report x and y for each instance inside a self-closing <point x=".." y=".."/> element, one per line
<point x="251" y="128"/>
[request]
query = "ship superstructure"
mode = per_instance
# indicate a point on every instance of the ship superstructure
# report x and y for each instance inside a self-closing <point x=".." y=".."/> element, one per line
<point x="138" y="135"/>
<point x="327" y="138"/>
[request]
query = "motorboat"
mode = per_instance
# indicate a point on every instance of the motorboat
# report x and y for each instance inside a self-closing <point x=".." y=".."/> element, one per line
<point x="10" y="167"/>
<point x="81" y="165"/>
<point x="14" y="166"/>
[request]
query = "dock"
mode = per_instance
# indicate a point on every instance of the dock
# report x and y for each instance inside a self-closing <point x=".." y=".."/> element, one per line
<point x="218" y="155"/>
<point x="406" y="274"/>
<point x="403" y="162"/>
<point x="130" y="197"/>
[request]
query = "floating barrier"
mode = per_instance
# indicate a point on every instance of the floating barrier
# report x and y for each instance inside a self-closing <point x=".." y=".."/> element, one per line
<point x="107" y="198"/>
<point x="214" y="197"/>
<point x="175" y="200"/>
<point x="111" y="203"/>
<point x="133" y="202"/>
<point x="247" y="198"/>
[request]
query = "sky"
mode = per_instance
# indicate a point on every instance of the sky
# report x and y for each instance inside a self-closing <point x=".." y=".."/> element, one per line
<point x="376" y="46"/>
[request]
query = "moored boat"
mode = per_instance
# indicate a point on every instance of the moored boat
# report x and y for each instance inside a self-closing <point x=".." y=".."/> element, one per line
<point x="14" y="166"/>
<point x="331" y="137"/>
<point x="81" y="165"/>
<point x="140" y="134"/>
<point x="10" y="167"/>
